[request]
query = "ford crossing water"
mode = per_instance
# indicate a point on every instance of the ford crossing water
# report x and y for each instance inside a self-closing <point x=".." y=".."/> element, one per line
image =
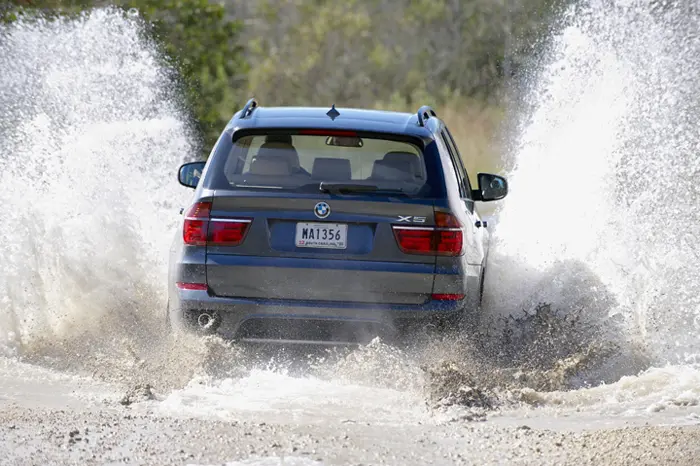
<point x="588" y="349"/>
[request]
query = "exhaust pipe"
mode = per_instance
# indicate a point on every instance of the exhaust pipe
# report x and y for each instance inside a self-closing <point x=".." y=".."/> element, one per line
<point x="208" y="323"/>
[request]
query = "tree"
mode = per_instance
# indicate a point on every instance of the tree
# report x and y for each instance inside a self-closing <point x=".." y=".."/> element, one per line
<point x="400" y="52"/>
<point x="197" y="38"/>
<point x="206" y="50"/>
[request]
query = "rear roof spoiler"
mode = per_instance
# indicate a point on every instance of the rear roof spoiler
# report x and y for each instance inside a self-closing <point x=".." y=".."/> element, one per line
<point x="424" y="113"/>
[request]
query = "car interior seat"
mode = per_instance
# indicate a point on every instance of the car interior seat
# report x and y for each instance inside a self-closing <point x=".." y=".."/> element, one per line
<point x="331" y="169"/>
<point x="281" y="149"/>
<point x="403" y="161"/>
<point x="270" y="165"/>
<point x="395" y="170"/>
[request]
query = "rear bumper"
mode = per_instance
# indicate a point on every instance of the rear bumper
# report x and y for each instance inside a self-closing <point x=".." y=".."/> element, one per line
<point x="308" y="321"/>
<point x="298" y="279"/>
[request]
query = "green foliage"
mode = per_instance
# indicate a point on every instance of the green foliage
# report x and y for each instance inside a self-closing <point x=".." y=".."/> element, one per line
<point x="201" y="41"/>
<point x="453" y="54"/>
<point x="13" y="9"/>
<point x="367" y="52"/>
<point x="207" y="52"/>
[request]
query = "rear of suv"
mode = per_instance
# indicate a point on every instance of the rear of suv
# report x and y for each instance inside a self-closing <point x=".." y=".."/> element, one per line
<point x="329" y="226"/>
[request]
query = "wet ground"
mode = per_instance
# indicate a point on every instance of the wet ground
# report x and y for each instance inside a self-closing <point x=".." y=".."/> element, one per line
<point x="272" y="419"/>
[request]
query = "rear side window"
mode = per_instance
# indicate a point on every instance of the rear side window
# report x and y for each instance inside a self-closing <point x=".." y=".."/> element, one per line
<point x="300" y="162"/>
<point x="460" y="172"/>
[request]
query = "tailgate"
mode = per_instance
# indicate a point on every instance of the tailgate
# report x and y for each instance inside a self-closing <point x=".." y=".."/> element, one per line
<point x="349" y="255"/>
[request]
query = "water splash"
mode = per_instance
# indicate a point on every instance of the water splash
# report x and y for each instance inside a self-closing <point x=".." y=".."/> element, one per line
<point x="90" y="134"/>
<point x="602" y="216"/>
<point x="605" y="177"/>
<point x="91" y="131"/>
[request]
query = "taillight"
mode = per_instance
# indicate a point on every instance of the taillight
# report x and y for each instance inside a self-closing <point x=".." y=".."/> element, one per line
<point x="227" y="232"/>
<point x="445" y="239"/>
<point x="200" y="229"/>
<point x="447" y="297"/>
<point x="414" y="240"/>
<point x="448" y="242"/>
<point x="192" y="286"/>
<point x="444" y="220"/>
<point x="194" y="230"/>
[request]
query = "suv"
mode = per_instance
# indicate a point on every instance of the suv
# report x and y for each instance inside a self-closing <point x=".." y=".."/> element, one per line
<point x="329" y="226"/>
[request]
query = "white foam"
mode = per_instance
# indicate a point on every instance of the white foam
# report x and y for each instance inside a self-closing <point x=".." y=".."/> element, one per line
<point x="90" y="138"/>
<point x="604" y="184"/>
<point x="653" y="390"/>
<point x="266" y="394"/>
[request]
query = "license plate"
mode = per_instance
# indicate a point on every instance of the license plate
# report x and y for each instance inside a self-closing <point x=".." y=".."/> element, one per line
<point x="322" y="235"/>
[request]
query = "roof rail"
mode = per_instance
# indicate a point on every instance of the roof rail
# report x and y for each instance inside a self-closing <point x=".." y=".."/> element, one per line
<point x="425" y="112"/>
<point x="251" y="105"/>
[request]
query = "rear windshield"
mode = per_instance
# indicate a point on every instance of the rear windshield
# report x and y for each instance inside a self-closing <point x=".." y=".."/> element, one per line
<point x="301" y="162"/>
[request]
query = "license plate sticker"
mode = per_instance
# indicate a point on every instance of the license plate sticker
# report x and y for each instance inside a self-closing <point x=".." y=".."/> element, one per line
<point x="322" y="235"/>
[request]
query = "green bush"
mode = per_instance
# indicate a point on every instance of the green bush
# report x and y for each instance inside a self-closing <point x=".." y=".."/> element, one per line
<point x="360" y="52"/>
<point x="198" y="38"/>
<point x="205" y="48"/>
<point x="396" y="54"/>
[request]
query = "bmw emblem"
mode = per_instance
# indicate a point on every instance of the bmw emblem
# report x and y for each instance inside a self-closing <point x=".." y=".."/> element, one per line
<point x="322" y="210"/>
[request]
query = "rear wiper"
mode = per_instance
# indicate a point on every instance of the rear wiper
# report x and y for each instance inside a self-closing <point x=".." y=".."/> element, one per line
<point x="339" y="188"/>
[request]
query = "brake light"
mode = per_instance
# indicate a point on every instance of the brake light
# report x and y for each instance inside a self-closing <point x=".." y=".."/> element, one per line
<point x="194" y="230"/>
<point x="414" y="240"/>
<point x="227" y="232"/>
<point x="445" y="239"/>
<point x="200" y="229"/>
<point x="447" y="297"/>
<point x="444" y="220"/>
<point x="192" y="286"/>
<point x="448" y="242"/>
<point x="327" y="132"/>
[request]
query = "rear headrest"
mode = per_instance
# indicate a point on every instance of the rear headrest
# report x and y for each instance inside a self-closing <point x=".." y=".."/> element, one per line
<point x="403" y="157"/>
<point x="394" y="171"/>
<point x="270" y="166"/>
<point x="279" y="138"/>
<point x="331" y="169"/>
<point x="280" y="149"/>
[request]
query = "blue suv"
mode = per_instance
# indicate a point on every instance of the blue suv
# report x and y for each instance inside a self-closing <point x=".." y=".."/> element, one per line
<point x="329" y="226"/>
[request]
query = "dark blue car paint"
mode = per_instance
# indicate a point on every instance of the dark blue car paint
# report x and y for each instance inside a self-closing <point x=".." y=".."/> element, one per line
<point x="452" y="275"/>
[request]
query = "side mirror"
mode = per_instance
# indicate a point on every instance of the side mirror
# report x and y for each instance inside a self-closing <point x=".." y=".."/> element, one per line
<point x="491" y="188"/>
<point x="190" y="173"/>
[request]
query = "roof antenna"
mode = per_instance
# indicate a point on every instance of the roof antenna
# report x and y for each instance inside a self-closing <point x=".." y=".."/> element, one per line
<point x="333" y="113"/>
